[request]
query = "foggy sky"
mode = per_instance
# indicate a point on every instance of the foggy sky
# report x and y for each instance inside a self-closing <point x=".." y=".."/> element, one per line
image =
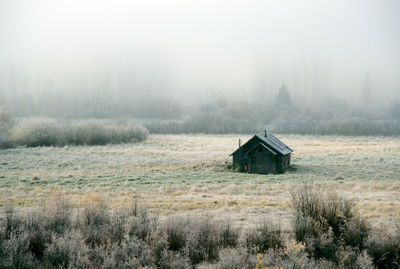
<point x="197" y="50"/>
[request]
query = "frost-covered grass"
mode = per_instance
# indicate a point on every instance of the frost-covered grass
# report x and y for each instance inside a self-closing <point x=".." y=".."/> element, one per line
<point x="179" y="174"/>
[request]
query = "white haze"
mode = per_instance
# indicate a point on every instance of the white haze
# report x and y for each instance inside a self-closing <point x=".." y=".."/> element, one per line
<point x="194" y="51"/>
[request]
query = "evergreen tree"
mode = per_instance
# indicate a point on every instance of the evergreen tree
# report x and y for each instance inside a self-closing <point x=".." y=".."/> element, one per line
<point x="283" y="97"/>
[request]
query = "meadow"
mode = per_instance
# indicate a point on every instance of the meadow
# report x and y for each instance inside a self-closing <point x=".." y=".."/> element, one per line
<point x="191" y="175"/>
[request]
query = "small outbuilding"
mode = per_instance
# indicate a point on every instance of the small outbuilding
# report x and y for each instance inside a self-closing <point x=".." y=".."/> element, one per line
<point x="262" y="154"/>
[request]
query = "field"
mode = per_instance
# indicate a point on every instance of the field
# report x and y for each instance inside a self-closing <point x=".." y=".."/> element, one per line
<point x="189" y="174"/>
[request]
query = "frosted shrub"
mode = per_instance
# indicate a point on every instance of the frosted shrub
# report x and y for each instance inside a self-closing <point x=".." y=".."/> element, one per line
<point x="101" y="133"/>
<point x="236" y="258"/>
<point x="384" y="248"/>
<point x="327" y="224"/>
<point x="36" y="132"/>
<point x="99" y="237"/>
<point x="6" y="124"/>
<point x="264" y="237"/>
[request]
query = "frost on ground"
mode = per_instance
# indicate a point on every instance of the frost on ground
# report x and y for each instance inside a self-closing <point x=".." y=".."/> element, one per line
<point x="181" y="174"/>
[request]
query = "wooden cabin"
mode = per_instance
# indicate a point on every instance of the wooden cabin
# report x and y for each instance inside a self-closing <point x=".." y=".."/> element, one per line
<point x="262" y="154"/>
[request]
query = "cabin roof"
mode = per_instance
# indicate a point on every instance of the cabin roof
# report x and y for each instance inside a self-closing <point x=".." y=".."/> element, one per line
<point x="271" y="142"/>
<point x="263" y="146"/>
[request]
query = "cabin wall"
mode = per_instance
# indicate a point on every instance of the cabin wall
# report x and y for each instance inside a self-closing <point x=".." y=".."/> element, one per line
<point x="262" y="162"/>
<point x="283" y="163"/>
<point x="240" y="161"/>
<point x="287" y="162"/>
<point x="236" y="161"/>
<point x="262" y="165"/>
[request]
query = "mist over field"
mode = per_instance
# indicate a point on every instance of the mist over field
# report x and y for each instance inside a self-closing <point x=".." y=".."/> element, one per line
<point x="219" y="134"/>
<point x="293" y="66"/>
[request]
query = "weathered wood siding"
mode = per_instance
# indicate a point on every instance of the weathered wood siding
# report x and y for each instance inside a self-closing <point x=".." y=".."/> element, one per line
<point x="259" y="160"/>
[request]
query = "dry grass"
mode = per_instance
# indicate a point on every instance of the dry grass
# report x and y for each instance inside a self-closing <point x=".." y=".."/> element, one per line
<point x="177" y="174"/>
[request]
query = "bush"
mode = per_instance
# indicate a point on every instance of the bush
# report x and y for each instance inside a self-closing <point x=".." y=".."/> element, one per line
<point x="6" y="123"/>
<point x="203" y="241"/>
<point x="15" y="253"/>
<point x="177" y="231"/>
<point x="66" y="251"/>
<point x="95" y="220"/>
<point x="171" y="259"/>
<point x="263" y="238"/>
<point x="384" y="248"/>
<point x="36" y="132"/>
<point x="236" y="258"/>
<point x="141" y="224"/>
<point x="57" y="216"/>
<point x="229" y="236"/>
<point x="291" y="256"/>
<point x="326" y="222"/>
<point x="132" y="253"/>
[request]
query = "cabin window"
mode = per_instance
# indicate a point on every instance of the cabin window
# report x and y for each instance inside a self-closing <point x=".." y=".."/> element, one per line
<point x="260" y="150"/>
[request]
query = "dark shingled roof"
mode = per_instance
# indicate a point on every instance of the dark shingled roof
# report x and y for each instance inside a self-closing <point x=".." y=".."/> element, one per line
<point x="262" y="145"/>
<point x="271" y="142"/>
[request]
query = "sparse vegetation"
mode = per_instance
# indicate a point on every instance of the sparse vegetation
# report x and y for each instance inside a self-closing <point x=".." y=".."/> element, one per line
<point x="56" y="237"/>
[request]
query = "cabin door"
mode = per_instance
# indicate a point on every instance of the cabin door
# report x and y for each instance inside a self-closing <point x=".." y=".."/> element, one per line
<point x="245" y="164"/>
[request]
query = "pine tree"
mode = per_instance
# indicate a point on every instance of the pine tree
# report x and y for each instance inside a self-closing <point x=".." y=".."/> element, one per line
<point x="283" y="97"/>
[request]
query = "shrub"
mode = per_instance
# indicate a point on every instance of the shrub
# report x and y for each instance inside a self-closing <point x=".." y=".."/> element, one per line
<point x="264" y="237"/>
<point x="364" y="261"/>
<point x="141" y="224"/>
<point x="203" y="241"/>
<point x="66" y="251"/>
<point x="15" y="252"/>
<point x="96" y="132"/>
<point x="38" y="235"/>
<point x="13" y="223"/>
<point x="94" y="223"/>
<point x="384" y="248"/>
<point x="36" y="132"/>
<point x="132" y="253"/>
<point x="6" y="124"/>
<point x="117" y="229"/>
<point x="323" y="246"/>
<point x="355" y="232"/>
<point x="171" y="259"/>
<point x="291" y="256"/>
<point x="229" y="236"/>
<point x="177" y="231"/>
<point x="57" y="216"/>
<point x="326" y="222"/>
<point x="236" y="258"/>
